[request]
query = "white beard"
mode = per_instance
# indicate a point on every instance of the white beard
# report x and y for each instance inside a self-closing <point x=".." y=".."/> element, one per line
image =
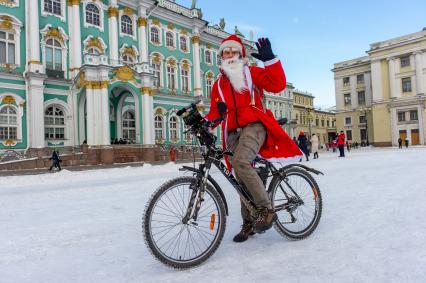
<point x="234" y="70"/>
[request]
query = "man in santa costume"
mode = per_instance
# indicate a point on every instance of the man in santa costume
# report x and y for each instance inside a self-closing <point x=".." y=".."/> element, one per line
<point x="249" y="128"/>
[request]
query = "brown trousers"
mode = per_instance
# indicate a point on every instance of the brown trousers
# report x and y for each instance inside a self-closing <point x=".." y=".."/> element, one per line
<point x="245" y="145"/>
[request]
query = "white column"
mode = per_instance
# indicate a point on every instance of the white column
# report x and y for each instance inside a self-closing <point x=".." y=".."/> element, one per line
<point x="148" y="116"/>
<point x="197" y="75"/>
<point x="104" y="136"/>
<point x="33" y="39"/>
<point x="392" y="80"/>
<point x="419" y="72"/>
<point x="113" y="32"/>
<point x="376" y="81"/>
<point x="75" y="37"/>
<point x="142" y="35"/>
<point x="35" y="108"/>
<point x="394" y="127"/>
<point x="422" y="128"/>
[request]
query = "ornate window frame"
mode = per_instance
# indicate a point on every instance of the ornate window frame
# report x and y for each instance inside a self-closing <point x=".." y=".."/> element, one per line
<point x="205" y="56"/>
<point x="10" y="4"/>
<point x="209" y="76"/>
<point x="131" y="51"/>
<point x="160" y="35"/>
<point x="133" y="18"/>
<point x="94" y="42"/>
<point x="178" y="126"/>
<point x="172" y="62"/>
<point x="11" y="24"/>
<point x="187" y="43"/>
<point x="48" y="32"/>
<point x="102" y="8"/>
<point x="182" y="66"/>
<point x="17" y="104"/>
<point x="173" y="34"/>
<point x="45" y="13"/>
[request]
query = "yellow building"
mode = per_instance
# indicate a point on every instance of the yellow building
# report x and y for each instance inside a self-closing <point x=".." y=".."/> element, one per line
<point x="381" y="97"/>
<point x="310" y="120"/>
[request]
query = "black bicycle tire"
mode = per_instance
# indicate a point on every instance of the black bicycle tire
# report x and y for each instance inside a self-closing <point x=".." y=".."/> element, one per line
<point x="279" y="228"/>
<point x="146" y="225"/>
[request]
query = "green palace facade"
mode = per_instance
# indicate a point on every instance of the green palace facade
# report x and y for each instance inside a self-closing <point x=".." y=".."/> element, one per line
<point x="91" y="71"/>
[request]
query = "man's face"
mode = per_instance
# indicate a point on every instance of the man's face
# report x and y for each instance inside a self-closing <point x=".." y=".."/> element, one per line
<point x="229" y="53"/>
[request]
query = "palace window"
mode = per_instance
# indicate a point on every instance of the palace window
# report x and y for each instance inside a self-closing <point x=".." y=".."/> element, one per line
<point x="185" y="79"/>
<point x="93" y="15"/>
<point x="349" y="135"/>
<point x="361" y="97"/>
<point x="218" y="60"/>
<point x="317" y="122"/>
<point x="360" y="79"/>
<point x="363" y="134"/>
<point x="129" y="125"/>
<point x="173" y="128"/>
<point x="126" y="25"/>
<point x="171" y="77"/>
<point x="7" y="47"/>
<point x="94" y="51"/>
<point x="183" y="43"/>
<point x="157" y="73"/>
<point x="406" y="84"/>
<point x="209" y="87"/>
<point x="155" y="35"/>
<point x="53" y="55"/>
<point x="346" y="81"/>
<point x="187" y="134"/>
<point x="208" y="56"/>
<point x="159" y="128"/>
<point x="401" y="116"/>
<point x="348" y="121"/>
<point x="362" y="119"/>
<point x="347" y="98"/>
<point x="8" y="123"/>
<point x="322" y="123"/>
<point x="405" y="61"/>
<point x="328" y="123"/>
<point x="53" y="6"/>
<point x="170" y="39"/>
<point x="413" y="115"/>
<point x="54" y="123"/>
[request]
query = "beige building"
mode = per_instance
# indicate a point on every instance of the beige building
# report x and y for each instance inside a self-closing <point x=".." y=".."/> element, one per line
<point x="381" y="97"/>
<point x="310" y="120"/>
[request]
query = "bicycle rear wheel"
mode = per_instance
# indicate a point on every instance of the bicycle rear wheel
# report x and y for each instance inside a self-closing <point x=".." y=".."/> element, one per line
<point x="177" y="244"/>
<point x="298" y="203"/>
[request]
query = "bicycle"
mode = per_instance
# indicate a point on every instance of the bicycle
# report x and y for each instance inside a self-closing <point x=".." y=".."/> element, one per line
<point x="185" y="219"/>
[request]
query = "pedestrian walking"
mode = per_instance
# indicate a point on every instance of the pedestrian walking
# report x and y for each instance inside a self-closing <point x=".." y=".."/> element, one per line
<point x="406" y="143"/>
<point x="314" y="145"/>
<point x="399" y="143"/>
<point x="55" y="160"/>
<point x="341" y="144"/>
<point x="303" y="145"/>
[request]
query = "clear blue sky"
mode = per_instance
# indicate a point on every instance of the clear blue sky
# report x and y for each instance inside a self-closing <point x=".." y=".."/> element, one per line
<point x="310" y="35"/>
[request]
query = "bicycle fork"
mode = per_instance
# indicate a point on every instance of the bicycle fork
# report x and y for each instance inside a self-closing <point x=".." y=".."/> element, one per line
<point x="197" y="195"/>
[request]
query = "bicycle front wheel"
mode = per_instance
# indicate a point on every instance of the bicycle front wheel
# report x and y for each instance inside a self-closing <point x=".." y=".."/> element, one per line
<point x="173" y="242"/>
<point x="298" y="203"/>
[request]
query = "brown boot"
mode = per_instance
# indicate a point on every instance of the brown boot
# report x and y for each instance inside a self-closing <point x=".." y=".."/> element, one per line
<point x="264" y="220"/>
<point x="246" y="231"/>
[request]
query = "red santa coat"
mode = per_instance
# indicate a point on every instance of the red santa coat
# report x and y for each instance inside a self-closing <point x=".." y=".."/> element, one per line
<point x="246" y="107"/>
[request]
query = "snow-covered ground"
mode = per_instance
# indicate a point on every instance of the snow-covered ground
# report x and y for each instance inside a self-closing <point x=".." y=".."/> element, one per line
<point x="86" y="227"/>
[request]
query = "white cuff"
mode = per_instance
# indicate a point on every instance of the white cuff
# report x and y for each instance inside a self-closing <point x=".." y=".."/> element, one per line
<point x="271" y="62"/>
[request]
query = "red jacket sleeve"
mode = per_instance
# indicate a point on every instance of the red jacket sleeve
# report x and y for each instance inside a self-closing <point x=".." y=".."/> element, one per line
<point x="271" y="78"/>
<point x="214" y="112"/>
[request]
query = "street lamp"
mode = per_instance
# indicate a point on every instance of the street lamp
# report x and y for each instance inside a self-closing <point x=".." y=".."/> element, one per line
<point x="309" y="109"/>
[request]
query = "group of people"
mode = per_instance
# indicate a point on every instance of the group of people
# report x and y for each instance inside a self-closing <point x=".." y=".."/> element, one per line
<point x="121" y="141"/>
<point x="400" y="143"/>
<point x="307" y="146"/>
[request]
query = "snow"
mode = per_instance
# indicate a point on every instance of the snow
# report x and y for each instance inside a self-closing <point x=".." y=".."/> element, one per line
<point x="86" y="227"/>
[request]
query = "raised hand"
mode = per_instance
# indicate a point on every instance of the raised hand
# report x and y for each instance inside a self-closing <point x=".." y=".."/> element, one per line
<point x="264" y="50"/>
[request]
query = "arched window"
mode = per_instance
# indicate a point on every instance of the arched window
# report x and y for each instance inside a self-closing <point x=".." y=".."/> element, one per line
<point x="170" y="39"/>
<point x="208" y="56"/>
<point x="126" y="25"/>
<point x="209" y="86"/>
<point x="159" y="128"/>
<point x="184" y="73"/>
<point x="8" y="123"/>
<point x="173" y="129"/>
<point x="53" y="55"/>
<point x="129" y="126"/>
<point x="218" y="60"/>
<point x="54" y="123"/>
<point x="127" y="59"/>
<point x="171" y="77"/>
<point x="7" y="47"/>
<point x="183" y="43"/>
<point x="156" y="66"/>
<point x="93" y="15"/>
<point x="155" y="37"/>
<point x="94" y="51"/>
<point x="53" y="6"/>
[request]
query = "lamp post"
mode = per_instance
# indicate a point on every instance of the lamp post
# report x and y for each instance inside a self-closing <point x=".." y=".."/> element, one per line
<point x="309" y="109"/>
<point x="364" y="111"/>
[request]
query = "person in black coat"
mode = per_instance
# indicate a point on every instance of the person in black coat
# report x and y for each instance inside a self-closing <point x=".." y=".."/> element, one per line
<point x="55" y="160"/>
<point x="303" y="145"/>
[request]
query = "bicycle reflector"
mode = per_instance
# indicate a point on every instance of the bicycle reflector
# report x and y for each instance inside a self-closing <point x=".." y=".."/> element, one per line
<point x="212" y="220"/>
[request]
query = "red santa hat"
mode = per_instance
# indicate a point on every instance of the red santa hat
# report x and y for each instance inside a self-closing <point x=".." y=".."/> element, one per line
<point x="235" y="42"/>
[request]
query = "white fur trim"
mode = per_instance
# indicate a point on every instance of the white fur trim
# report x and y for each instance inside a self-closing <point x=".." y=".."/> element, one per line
<point x="271" y="62"/>
<point x="231" y="43"/>
<point x="249" y="83"/>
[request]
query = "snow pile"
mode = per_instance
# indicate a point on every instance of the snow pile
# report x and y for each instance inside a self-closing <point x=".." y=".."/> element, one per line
<point x="85" y="227"/>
